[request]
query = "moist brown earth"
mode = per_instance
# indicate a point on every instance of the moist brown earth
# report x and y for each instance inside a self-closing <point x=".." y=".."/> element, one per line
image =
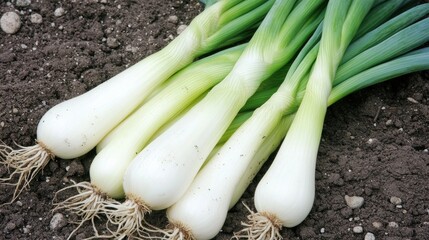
<point x="375" y="142"/>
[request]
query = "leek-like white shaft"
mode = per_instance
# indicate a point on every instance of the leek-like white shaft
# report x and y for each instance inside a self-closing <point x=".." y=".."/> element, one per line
<point x="83" y="121"/>
<point x="261" y="156"/>
<point x="287" y="189"/>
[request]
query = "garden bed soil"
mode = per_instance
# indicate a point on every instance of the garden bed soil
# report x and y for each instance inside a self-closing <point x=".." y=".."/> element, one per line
<point x="375" y="142"/>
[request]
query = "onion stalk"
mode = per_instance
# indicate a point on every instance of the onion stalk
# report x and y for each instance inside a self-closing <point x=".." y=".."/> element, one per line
<point x="74" y="127"/>
<point x="294" y="164"/>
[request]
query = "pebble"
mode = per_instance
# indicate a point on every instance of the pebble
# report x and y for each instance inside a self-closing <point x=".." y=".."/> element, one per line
<point x="1" y="124"/>
<point x="372" y="141"/>
<point x="395" y="200"/>
<point x="173" y="19"/>
<point x="130" y="48"/>
<point x="58" y="221"/>
<point x="19" y="203"/>
<point x="369" y="236"/>
<point x="358" y="229"/>
<point x="10" y="22"/>
<point x="22" y="3"/>
<point x="354" y="201"/>
<point x="181" y="28"/>
<point x="112" y="42"/>
<point x="15" y="110"/>
<point x="9" y="226"/>
<point x="322" y="230"/>
<point x="410" y="99"/>
<point x="377" y="224"/>
<point x="389" y="122"/>
<point x="59" y="12"/>
<point x="26" y="229"/>
<point x="393" y="225"/>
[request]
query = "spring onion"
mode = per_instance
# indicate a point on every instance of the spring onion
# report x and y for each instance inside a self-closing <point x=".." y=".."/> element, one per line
<point x="294" y="164"/>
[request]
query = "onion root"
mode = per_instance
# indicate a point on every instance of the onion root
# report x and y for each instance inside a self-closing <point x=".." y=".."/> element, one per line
<point x="261" y="226"/>
<point x="26" y="162"/>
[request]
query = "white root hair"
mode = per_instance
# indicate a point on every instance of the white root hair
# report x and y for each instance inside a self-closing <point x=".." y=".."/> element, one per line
<point x="261" y="226"/>
<point x="89" y="204"/>
<point x="177" y="231"/>
<point x="26" y="162"/>
<point x="129" y="219"/>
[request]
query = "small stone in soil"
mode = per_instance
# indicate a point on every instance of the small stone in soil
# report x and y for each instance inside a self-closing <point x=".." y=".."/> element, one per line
<point x="393" y="225"/>
<point x="59" y="12"/>
<point x="10" y="22"/>
<point x="173" y="19"/>
<point x="10" y="226"/>
<point x="26" y="229"/>
<point x="410" y="99"/>
<point x="22" y="3"/>
<point x="369" y="236"/>
<point x="358" y="229"/>
<point x="377" y="224"/>
<point x="130" y="48"/>
<point x="395" y="200"/>
<point x="112" y="42"/>
<point x="181" y="28"/>
<point x="372" y="141"/>
<point x="389" y="122"/>
<point x="354" y="201"/>
<point x="58" y="221"/>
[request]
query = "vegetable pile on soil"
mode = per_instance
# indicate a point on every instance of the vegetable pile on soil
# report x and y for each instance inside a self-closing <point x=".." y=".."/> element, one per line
<point x="373" y="166"/>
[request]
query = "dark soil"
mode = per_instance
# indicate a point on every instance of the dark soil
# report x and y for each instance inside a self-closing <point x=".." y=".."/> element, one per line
<point x="375" y="142"/>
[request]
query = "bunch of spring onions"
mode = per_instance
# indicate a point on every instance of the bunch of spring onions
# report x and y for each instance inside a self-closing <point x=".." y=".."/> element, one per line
<point x="74" y="127"/>
<point x="202" y="210"/>
<point x="161" y="173"/>
<point x="190" y="136"/>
